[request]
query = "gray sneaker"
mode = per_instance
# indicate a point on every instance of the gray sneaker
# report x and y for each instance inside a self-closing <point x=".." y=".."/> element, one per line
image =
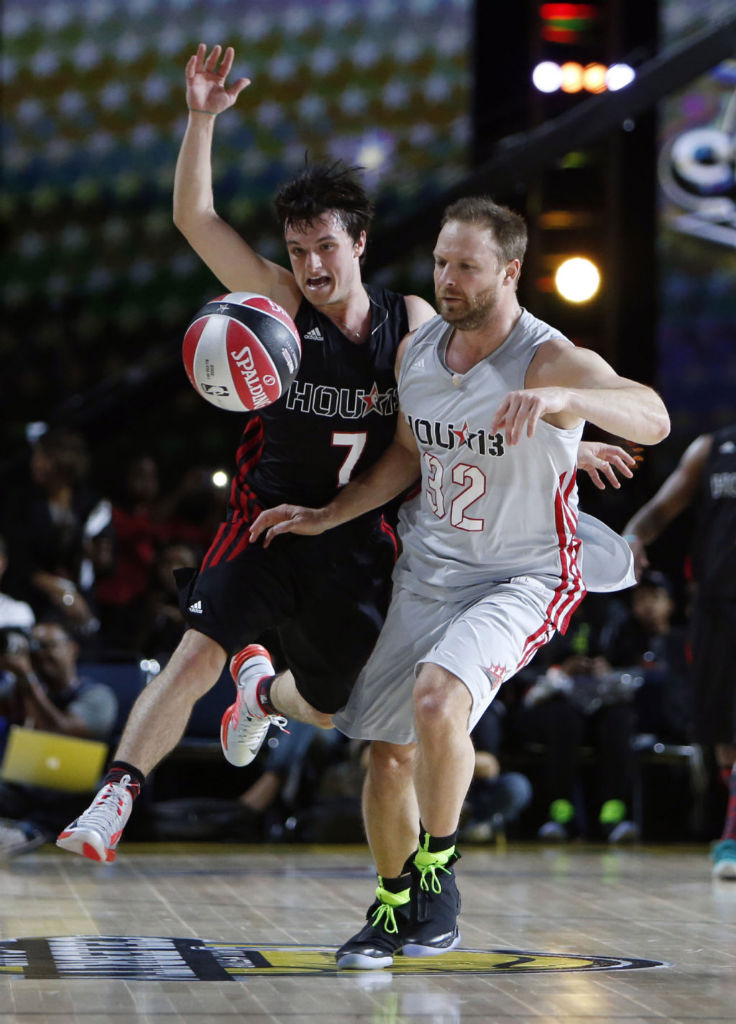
<point x="18" y="837"/>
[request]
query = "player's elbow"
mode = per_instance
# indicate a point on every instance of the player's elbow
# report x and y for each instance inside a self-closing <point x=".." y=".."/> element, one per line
<point x="656" y="427"/>
<point x="192" y="223"/>
<point x="182" y="220"/>
<point x="661" y="425"/>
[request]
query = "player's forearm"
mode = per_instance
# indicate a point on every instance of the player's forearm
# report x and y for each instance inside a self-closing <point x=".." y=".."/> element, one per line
<point x="633" y="411"/>
<point x="649" y="522"/>
<point x="396" y="470"/>
<point x="41" y="709"/>
<point x="193" y="199"/>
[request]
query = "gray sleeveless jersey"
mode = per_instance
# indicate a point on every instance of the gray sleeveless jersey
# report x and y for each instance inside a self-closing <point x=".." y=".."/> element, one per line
<point x="487" y="510"/>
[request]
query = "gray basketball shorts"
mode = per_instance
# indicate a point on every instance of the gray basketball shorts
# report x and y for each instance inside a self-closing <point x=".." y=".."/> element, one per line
<point x="483" y="641"/>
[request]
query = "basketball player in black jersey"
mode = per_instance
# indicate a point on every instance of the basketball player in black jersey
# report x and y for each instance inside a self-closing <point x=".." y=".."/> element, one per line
<point x="327" y="599"/>
<point x="326" y="596"/>
<point x="706" y="475"/>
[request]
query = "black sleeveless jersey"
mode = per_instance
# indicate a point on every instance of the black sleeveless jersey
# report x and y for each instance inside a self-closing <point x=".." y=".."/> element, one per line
<point x="335" y="420"/>
<point x="714" y="560"/>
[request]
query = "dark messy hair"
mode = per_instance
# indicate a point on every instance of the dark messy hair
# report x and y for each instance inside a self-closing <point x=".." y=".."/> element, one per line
<point x="508" y="228"/>
<point x="321" y="188"/>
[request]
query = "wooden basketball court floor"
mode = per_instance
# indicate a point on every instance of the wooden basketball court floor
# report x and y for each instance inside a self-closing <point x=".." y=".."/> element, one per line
<point x="212" y="933"/>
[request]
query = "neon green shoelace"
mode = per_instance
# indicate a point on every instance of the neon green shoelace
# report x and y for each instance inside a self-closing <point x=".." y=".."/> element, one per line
<point x="384" y="915"/>
<point x="428" y="864"/>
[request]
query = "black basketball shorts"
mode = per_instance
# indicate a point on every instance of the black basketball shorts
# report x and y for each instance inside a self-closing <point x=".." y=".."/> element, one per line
<point x="713" y="627"/>
<point x="325" y="596"/>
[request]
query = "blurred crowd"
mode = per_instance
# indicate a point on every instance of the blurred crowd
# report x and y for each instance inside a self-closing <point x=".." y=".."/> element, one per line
<point x="88" y="578"/>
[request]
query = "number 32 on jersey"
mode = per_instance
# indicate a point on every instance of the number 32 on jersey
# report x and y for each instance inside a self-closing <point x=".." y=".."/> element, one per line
<point x="440" y="492"/>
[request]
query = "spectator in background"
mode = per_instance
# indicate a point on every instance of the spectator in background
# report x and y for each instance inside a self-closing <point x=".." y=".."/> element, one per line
<point x="51" y="524"/>
<point x="496" y="798"/>
<point x="647" y="644"/>
<point x="706" y="476"/>
<point x="12" y="612"/>
<point x="145" y="517"/>
<point x="138" y="525"/>
<point x="40" y="689"/>
<point x="579" y="699"/>
<point x="162" y="624"/>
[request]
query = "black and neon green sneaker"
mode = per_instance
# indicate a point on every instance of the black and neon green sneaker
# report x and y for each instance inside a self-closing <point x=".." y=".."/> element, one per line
<point x="383" y="934"/>
<point x="435" y="904"/>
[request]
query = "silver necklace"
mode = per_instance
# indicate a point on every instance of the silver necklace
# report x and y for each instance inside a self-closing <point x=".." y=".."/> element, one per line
<point x="359" y="334"/>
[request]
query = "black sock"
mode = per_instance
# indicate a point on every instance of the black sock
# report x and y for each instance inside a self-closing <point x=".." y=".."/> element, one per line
<point x="118" y="769"/>
<point x="263" y="694"/>
<point x="435" y="844"/>
<point x="397" y="884"/>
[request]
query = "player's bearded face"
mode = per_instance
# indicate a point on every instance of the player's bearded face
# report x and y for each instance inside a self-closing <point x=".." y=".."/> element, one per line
<point x="468" y="275"/>
<point x="469" y="313"/>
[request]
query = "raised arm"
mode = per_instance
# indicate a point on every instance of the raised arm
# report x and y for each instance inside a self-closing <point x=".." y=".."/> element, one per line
<point x="228" y="256"/>
<point x="565" y="385"/>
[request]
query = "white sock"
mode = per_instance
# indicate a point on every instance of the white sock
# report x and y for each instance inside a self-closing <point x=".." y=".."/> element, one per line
<point x="254" y="669"/>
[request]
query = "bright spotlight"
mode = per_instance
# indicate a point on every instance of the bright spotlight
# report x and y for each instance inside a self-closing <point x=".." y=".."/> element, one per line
<point x="577" y="279"/>
<point x="594" y="77"/>
<point x="572" y="76"/>
<point x="220" y="478"/>
<point x="619" y="76"/>
<point x="547" y="76"/>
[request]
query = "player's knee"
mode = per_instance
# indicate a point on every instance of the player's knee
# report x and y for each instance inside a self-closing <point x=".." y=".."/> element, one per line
<point x="322" y="720"/>
<point x="387" y="760"/>
<point x="440" y="699"/>
<point x="196" y="664"/>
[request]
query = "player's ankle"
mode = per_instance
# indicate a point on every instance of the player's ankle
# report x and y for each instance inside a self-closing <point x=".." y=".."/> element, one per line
<point x="118" y="770"/>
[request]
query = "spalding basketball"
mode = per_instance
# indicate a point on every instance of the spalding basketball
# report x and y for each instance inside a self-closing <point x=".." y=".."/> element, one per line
<point x="241" y="351"/>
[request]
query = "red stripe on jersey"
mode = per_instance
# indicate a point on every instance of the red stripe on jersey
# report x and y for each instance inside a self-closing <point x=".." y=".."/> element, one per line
<point x="570" y="590"/>
<point x="388" y="529"/>
<point x="218" y="545"/>
<point x="250" y="449"/>
<point x="233" y="536"/>
<point x="242" y="543"/>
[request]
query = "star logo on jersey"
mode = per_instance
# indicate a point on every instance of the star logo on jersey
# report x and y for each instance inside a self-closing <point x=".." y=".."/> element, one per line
<point x="374" y="401"/>
<point x="463" y="434"/>
<point x="496" y="674"/>
<point x="223" y="308"/>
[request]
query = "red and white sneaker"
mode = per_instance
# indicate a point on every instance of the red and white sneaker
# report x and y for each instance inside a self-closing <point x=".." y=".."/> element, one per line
<point x="245" y="723"/>
<point x="96" y="833"/>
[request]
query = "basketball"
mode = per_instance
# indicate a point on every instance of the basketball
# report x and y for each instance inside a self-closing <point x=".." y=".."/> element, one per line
<point x="241" y="351"/>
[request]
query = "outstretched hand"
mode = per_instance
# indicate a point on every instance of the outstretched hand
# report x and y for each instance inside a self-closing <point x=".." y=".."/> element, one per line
<point x="598" y="460"/>
<point x="289" y="519"/>
<point x="206" y="89"/>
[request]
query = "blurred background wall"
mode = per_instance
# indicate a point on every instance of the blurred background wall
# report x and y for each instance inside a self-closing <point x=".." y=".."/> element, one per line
<point x="434" y="98"/>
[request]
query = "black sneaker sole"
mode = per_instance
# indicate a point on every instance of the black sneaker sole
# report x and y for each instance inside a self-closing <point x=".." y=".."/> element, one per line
<point x="416" y="949"/>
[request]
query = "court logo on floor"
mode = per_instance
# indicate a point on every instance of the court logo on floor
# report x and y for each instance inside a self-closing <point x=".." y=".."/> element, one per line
<point x="155" y="958"/>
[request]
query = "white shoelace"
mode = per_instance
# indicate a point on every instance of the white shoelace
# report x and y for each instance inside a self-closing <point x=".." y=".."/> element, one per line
<point x="104" y="813"/>
<point x="251" y="727"/>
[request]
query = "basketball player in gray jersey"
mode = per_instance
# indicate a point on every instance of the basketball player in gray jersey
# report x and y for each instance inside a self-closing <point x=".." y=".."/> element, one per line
<point x="493" y="403"/>
<point x="328" y="598"/>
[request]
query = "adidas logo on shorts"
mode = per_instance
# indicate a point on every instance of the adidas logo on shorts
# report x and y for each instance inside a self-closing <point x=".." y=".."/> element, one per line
<point x="196" y="608"/>
<point x="314" y="335"/>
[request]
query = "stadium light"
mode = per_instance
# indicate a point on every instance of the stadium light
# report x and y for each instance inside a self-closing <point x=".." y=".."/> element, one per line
<point x="577" y="279"/>
<point x="572" y="77"/>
